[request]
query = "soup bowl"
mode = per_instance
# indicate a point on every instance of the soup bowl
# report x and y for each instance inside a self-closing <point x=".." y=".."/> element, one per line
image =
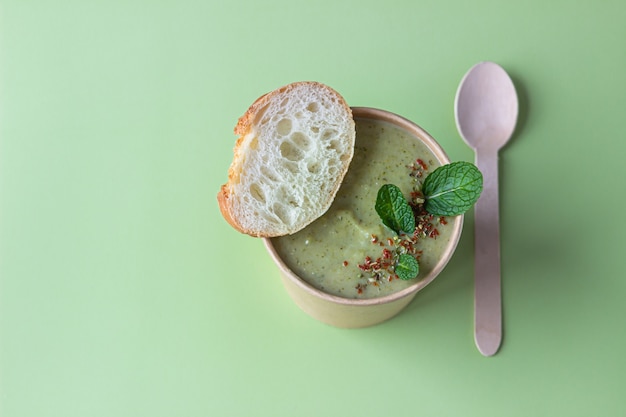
<point x="344" y="306"/>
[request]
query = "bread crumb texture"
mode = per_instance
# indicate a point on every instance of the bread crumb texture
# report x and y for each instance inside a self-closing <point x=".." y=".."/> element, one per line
<point x="295" y="146"/>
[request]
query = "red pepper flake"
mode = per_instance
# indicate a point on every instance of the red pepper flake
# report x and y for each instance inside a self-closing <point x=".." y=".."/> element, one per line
<point x="387" y="254"/>
<point x="390" y="241"/>
<point x="374" y="238"/>
<point x="422" y="164"/>
<point x="433" y="233"/>
<point x="345" y="263"/>
<point x="366" y="265"/>
<point x="443" y="220"/>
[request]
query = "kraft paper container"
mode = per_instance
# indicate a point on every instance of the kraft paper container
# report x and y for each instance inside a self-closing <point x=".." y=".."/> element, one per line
<point x="352" y="313"/>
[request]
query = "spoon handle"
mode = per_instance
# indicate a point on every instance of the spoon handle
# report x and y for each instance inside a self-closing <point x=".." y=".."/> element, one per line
<point x="487" y="292"/>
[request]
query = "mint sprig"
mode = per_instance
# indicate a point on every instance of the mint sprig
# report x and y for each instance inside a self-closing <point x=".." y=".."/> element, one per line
<point x="394" y="210"/>
<point x="407" y="267"/>
<point x="449" y="190"/>
<point x="452" y="189"/>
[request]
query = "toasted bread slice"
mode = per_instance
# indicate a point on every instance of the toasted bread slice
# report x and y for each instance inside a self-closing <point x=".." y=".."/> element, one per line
<point x="294" y="148"/>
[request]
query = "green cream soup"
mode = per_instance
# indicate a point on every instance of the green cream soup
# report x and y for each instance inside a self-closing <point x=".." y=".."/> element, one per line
<point x="345" y="251"/>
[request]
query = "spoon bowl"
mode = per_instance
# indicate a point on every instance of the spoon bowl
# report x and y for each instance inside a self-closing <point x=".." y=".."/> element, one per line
<point x="486" y="109"/>
<point x="486" y="106"/>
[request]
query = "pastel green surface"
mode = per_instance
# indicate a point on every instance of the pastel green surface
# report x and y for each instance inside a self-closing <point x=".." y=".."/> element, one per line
<point x="124" y="293"/>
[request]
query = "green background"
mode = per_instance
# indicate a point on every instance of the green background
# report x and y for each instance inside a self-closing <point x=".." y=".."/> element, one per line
<point x="123" y="292"/>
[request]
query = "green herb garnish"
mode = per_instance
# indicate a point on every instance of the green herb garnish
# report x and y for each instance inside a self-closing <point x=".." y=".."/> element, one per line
<point x="394" y="210"/>
<point x="449" y="190"/>
<point x="452" y="189"/>
<point x="407" y="267"/>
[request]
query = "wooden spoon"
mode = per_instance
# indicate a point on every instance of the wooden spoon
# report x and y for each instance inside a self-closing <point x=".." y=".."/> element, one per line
<point x="486" y="108"/>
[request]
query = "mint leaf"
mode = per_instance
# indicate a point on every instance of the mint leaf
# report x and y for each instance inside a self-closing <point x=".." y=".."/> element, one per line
<point x="452" y="189"/>
<point x="407" y="267"/>
<point x="394" y="210"/>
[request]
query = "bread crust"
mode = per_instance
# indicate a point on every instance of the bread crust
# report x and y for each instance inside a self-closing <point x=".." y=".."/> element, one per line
<point x="222" y="200"/>
<point x="243" y="127"/>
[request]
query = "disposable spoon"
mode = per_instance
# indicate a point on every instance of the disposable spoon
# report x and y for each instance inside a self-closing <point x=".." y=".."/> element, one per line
<point x="486" y="109"/>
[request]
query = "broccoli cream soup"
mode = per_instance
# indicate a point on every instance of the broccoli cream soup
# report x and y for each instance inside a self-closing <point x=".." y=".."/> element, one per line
<point x="348" y="252"/>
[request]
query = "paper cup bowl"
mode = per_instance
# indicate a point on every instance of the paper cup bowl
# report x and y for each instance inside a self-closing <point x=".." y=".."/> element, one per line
<point x="353" y="313"/>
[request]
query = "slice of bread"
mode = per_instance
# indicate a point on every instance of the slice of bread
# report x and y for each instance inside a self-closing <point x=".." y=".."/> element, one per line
<point x="294" y="148"/>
